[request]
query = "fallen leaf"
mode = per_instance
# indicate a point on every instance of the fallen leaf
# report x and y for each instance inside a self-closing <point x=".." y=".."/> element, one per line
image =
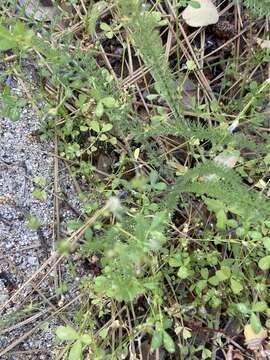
<point x="254" y="341"/>
<point x="40" y="10"/>
<point x="264" y="44"/>
<point x="227" y="160"/>
<point x="206" y="14"/>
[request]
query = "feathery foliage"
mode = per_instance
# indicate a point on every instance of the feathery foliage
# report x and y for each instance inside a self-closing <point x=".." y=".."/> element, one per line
<point x="145" y="36"/>
<point x="191" y="236"/>
<point x="259" y="7"/>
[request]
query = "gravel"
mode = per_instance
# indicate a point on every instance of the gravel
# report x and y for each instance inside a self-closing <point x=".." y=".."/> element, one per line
<point x="24" y="159"/>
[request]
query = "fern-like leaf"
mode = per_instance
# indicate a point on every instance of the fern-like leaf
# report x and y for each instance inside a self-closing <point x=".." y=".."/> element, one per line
<point x="259" y="7"/>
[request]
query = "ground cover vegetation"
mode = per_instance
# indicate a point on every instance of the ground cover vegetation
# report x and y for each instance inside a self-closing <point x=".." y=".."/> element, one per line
<point x="165" y="128"/>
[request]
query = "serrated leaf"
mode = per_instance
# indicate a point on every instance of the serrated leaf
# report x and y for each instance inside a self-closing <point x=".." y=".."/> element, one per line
<point x="67" y="333"/>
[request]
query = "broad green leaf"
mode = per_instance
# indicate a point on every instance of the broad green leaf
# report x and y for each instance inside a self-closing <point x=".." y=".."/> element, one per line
<point x="6" y="44"/>
<point x="214" y="280"/>
<point x="264" y="263"/>
<point x="94" y="125"/>
<point x="194" y="4"/>
<point x="39" y="194"/>
<point x="33" y="222"/>
<point x="186" y="333"/>
<point x="168" y="342"/>
<point x="255" y="323"/>
<point x="109" y="34"/>
<point x="183" y="272"/>
<point x="205" y="273"/>
<point x="206" y="353"/>
<point x="86" y="339"/>
<point x="109" y="102"/>
<point x="221" y="219"/>
<point x="266" y="243"/>
<point x="99" y="109"/>
<point x="260" y="306"/>
<point x="75" y="351"/>
<point x="103" y="333"/>
<point x="40" y="180"/>
<point x="84" y="128"/>
<point x="152" y="96"/>
<point x="236" y="286"/>
<point x="67" y="333"/>
<point x="243" y="308"/>
<point x="105" y="27"/>
<point x="156" y="340"/>
<point x="106" y="127"/>
<point x="224" y="273"/>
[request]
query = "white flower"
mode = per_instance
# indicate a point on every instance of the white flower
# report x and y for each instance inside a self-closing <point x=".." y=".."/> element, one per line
<point x="113" y="204"/>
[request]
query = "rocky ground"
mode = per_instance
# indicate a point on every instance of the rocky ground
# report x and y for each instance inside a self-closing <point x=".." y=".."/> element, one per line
<point x="27" y="165"/>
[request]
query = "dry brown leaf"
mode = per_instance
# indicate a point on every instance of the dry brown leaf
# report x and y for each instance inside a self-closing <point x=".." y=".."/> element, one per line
<point x="39" y="9"/>
<point x="253" y="340"/>
<point x="264" y="44"/>
<point x="207" y="14"/>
